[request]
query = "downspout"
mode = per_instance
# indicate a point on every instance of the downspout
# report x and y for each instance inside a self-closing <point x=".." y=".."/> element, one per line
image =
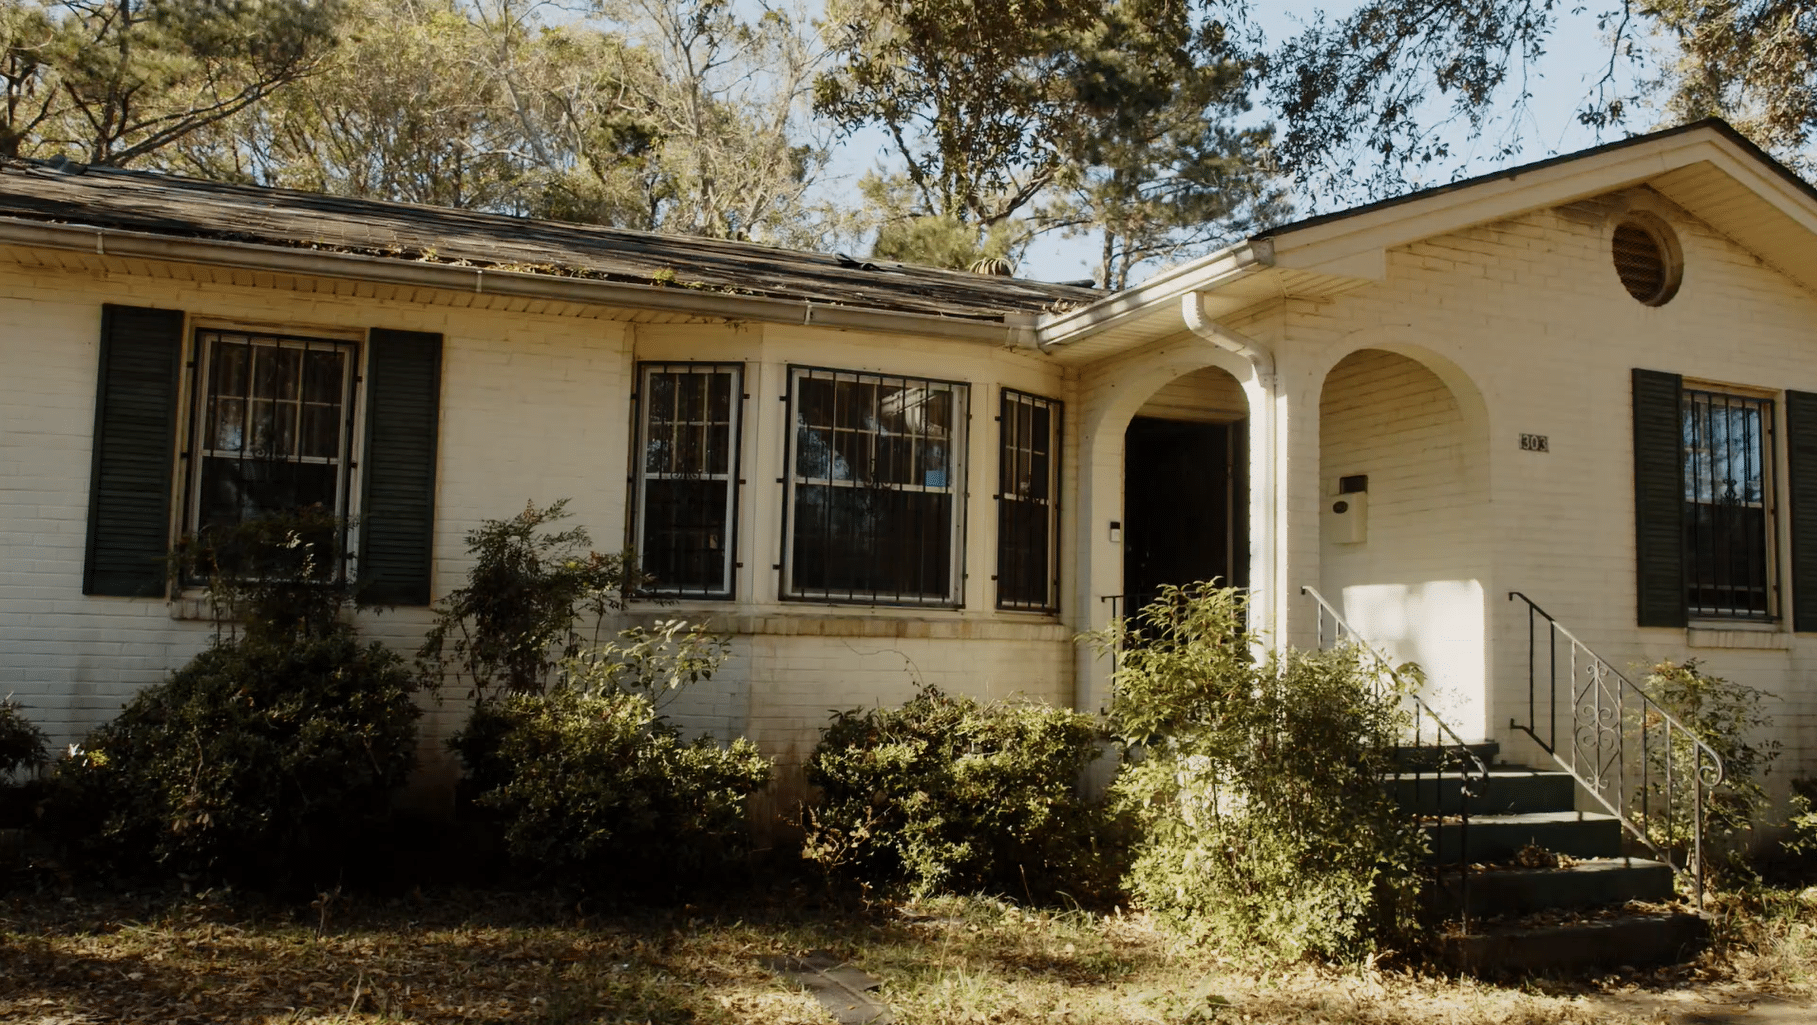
<point x="1264" y="529"/>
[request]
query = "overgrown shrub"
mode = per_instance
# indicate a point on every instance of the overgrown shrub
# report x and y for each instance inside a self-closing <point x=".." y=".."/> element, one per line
<point x="567" y="747"/>
<point x="589" y="778"/>
<point x="264" y="758"/>
<point x="531" y="596"/>
<point x="948" y="794"/>
<point x="1729" y="717"/>
<point x="22" y="743"/>
<point x="1262" y="822"/>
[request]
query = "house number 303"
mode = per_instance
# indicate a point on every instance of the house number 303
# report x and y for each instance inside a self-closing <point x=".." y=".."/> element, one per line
<point x="1535" y="443"/>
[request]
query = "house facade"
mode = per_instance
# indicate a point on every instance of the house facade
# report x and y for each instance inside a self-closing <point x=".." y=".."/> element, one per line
<point x="1592" y="381"/>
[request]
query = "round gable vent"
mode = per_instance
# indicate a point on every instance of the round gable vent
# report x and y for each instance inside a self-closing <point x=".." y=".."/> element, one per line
<point x="1646" y="258"/>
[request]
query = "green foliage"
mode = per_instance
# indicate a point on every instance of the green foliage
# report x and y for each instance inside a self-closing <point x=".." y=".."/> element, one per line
<point x="520" y="615"/>
<point x="947" y="794"/>
<point x="274" y="578"/>
<point x="1010" y="119"/>
<point x="1728" y="717"/>
<point x="265" y="757"/>
<point x="116" y="81"/>
<point x="1255" y="786"/>
<point x="1802" y="840"/>
<point x="22" y="743"/>
<point x="589" y="778"/>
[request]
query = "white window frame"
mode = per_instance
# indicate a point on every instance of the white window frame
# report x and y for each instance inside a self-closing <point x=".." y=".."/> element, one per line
<point x="205" y="338"/>
<point x="956" y="488"/>
<point x="641" y="475"/>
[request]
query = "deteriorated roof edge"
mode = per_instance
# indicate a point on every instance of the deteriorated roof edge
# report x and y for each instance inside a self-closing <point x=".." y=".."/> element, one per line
<point x="185" y="208"/>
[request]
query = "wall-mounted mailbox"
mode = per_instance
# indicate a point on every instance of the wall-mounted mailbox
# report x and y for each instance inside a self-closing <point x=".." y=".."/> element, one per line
<point x="1346" y="517"/>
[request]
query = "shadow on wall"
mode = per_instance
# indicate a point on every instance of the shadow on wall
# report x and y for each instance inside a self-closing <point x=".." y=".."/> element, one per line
<point x="1438" y="624"/>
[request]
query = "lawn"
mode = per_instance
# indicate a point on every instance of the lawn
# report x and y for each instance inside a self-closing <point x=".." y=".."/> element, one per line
<point x="544" y="957"/>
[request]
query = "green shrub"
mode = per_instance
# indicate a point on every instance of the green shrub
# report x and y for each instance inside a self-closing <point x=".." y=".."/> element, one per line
<point x="597" y="782"/>
<point x="1727" y="716"/>
<point x="519" y="618"/>
<point x="22" y="743"/>
<point x="1262" y="823"/>
<point x="947" y="794"/>
<point x="263" y="758"/>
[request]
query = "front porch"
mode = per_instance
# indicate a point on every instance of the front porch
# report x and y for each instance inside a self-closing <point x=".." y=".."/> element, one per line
<point x="1359" y="468"/>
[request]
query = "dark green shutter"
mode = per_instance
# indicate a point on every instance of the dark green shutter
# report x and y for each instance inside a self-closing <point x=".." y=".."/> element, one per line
<point x="1801" y="461"/>
<point x="1659" y="498"/>
<point x="135" y="442"/>
<point x="397" y="516"/>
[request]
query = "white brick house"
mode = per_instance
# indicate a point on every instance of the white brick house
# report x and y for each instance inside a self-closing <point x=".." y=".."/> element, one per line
<point x="867" y="502"/>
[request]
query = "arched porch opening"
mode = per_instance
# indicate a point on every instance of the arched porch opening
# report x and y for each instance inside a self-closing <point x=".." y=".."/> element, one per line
<point x="1403" y="546"/>
<point x="1185" y="487"/>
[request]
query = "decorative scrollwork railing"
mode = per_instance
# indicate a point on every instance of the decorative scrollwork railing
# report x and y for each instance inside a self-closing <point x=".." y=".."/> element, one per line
<point x="1435" y="748"/>
<point x="1637" y="760"/>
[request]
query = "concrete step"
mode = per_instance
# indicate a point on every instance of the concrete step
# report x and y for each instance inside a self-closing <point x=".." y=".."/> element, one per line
<point x="1429" y="758"/>
<point x="1499" y="892"/>
<point x="1635" y="939"/>
<point x="1509" y="790"/>
<point x="1496" y="838"/>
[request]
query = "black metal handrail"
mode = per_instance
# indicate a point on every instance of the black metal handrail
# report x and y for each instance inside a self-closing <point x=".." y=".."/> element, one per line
<point x="1453" y="752"/>
<point x="1624" y="747"/>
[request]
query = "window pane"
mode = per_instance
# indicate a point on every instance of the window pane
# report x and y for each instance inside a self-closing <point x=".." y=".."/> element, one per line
<point x="272" y="436"/>
<point x="684" y="515"/>
<point x="685" y="542"/>
<point x="240" y="489"/>
<point x="873" y="507"/>
<point x="1727" y="477"/>
<point x="1026" y="516"/>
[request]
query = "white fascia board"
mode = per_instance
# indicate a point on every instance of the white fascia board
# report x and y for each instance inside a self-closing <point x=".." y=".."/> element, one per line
<point x="1359" y="236"/>
<point x="1208" y="273"/>
<point x="1011" y="330"/>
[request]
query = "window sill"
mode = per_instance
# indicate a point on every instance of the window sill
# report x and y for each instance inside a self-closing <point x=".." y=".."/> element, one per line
<point x="1737" y="636"/>
<point x="808" y="624"/>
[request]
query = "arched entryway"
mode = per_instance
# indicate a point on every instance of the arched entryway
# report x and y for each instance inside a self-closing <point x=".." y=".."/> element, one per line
<point x="1403" y="549"/>
<point x="1185" y="487"/>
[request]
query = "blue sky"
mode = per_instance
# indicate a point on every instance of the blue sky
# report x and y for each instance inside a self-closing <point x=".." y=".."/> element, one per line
<point x="1559" y="84"/>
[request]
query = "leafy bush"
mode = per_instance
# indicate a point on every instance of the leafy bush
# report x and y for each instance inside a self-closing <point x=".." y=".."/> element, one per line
<point x="950" y="794"/>
<point x="588" y="777"/>
<point x="519" y="617"/>
<point x="22" y="743"/>
<point x="263" y="757"/>
<point x="1262" y="822"/>
<point x="1727" y="716"/>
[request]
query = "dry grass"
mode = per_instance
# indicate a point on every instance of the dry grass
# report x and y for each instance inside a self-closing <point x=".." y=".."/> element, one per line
<point x="539" y="958"/>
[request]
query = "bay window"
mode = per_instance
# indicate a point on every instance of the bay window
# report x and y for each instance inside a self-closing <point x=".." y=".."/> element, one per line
<point x="687" y="476"/>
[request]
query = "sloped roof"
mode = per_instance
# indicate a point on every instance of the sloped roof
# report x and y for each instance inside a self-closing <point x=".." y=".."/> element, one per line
<point x="187" y="208"/>
<point x="1707" y="168"/>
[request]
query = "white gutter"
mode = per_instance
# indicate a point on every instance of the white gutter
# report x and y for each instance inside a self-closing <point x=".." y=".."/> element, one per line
<point x="1265" y="505"/>
<point x="1011" y="330"/>
<point x="1204" y="275"/>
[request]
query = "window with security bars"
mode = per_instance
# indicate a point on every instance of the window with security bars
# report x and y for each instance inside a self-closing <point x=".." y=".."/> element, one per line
<point x="876" y="488"/>
<point x="687" y="478"/>
<point x="1728" y="516"/>
<point x="1028" y="477"/>
<point x="273" y="427"/>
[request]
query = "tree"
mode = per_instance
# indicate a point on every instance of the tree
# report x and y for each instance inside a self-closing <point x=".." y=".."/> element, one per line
<point x="113" y="81"/>
<point x="1013" y="119"/>
<point x="1376" y="97"/>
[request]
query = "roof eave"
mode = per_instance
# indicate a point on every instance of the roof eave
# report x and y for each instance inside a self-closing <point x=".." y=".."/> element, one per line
<point x="1009" y="329"/>
<point x="1206" y="274"/>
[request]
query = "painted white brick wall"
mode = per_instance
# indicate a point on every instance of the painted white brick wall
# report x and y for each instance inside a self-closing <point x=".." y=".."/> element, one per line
<point x="1412" y="586"/>
<point x="1533" y="315"/>
<point x="534" y="407"/>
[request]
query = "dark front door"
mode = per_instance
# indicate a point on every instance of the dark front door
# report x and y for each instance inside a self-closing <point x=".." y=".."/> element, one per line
<point x="1185" y="506"/>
